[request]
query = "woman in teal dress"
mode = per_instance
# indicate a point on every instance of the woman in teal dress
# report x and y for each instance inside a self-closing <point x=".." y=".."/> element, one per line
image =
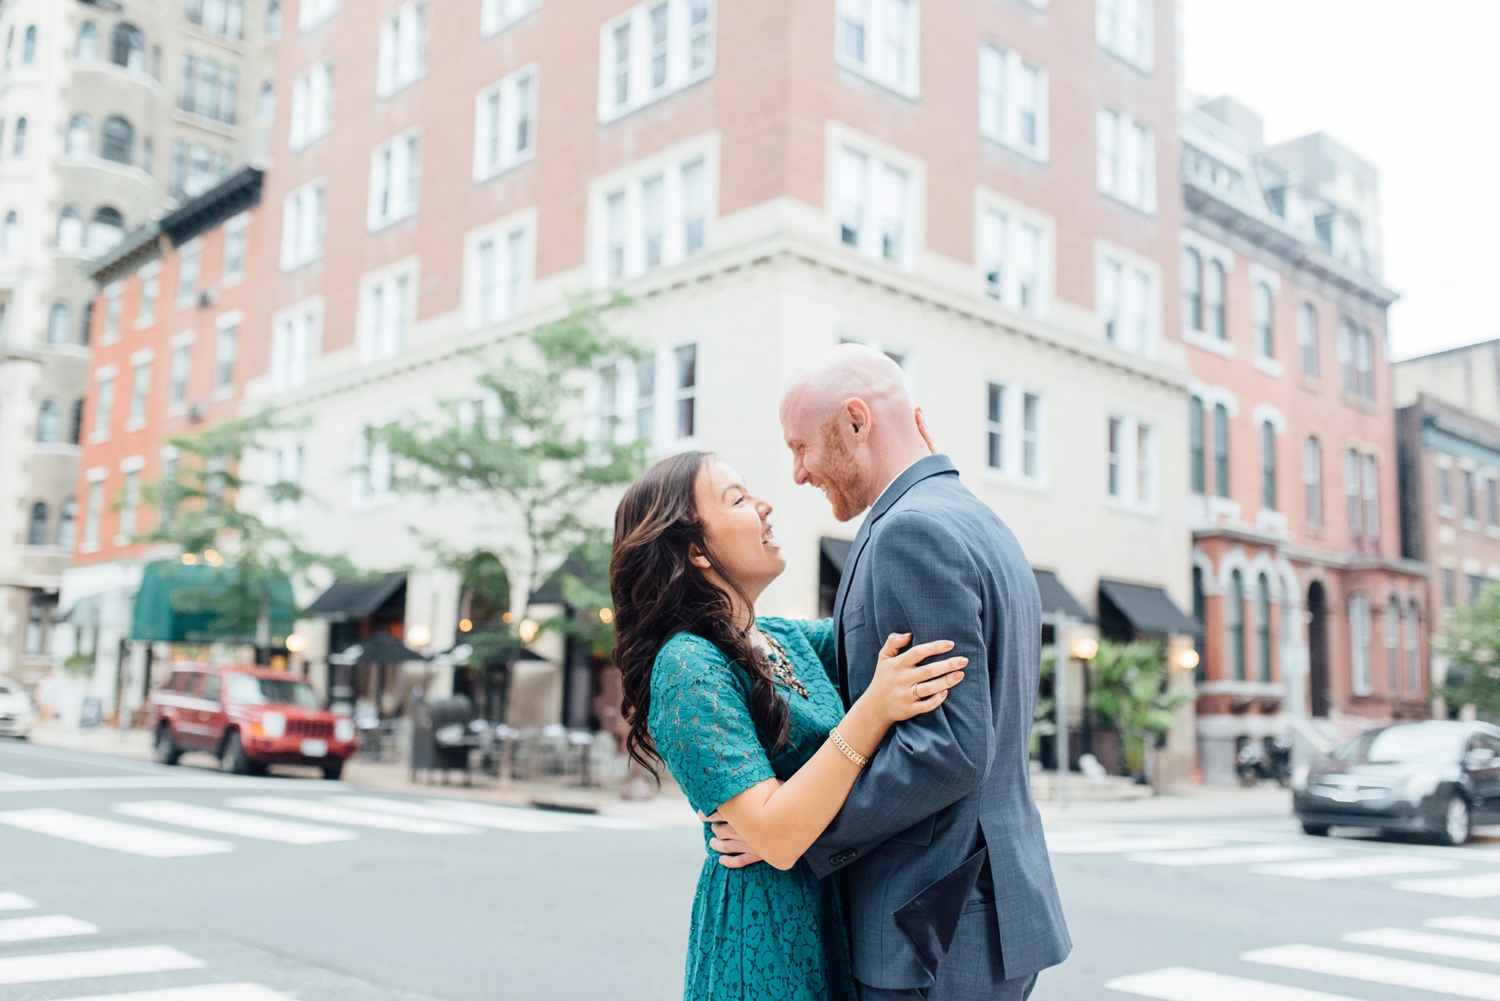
<point x="742" y="712"/>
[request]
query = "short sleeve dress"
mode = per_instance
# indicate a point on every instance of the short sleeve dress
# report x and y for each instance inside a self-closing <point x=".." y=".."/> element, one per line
<point x="758" y="934"/>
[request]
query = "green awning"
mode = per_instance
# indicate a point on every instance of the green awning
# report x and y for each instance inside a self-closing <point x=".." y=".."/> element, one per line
<point x="179" y="603"/>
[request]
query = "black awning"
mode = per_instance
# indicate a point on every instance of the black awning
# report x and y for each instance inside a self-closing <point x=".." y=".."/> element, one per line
<point x="1058" y="600"/>
<point x="1147" y="609"/>
<point x="836" y="552"/>
<point x="348" y="599"/>
<point x="377" y="648"/>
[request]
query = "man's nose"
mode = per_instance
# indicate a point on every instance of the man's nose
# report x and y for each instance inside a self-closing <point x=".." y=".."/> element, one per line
<point x="799" y="472"/>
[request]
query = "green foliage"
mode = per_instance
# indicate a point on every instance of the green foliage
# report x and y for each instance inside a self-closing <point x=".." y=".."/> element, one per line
<point x="1043" y="723"/>
<point x="1128" y="688"/>
<point x="1471" y="641"/>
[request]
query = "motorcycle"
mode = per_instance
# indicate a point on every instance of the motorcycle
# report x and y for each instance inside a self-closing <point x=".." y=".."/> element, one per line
<point x="1269" y="760"/>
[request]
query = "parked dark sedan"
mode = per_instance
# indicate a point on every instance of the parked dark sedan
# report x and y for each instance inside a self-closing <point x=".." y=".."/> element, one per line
<point x="1438" y="778"/>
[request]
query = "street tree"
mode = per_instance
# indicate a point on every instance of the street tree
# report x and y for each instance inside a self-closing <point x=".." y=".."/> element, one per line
<point x="1128" y="688"/>
<point x="1471" y="642"/>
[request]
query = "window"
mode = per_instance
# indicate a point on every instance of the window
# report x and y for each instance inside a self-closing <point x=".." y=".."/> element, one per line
<point x="88" y="43"/>
<point x="1010" y="256"/>
<point x="1127" y="304"/>
<point x="1352" y="492"/>
<point x="69" y="230"/>
<point x="499" y="270"/>
<point x="140" y="388"/>
<point x="67" y="524"/>
<point x="273" y="18"/>
<point x="1307" y="336"/>
<point x="375" y="468"/>
<point x="497" y="15"/>
<point x="505" y="116"/>
<point x="94" y="507"/>
<point x="1450" y="589"/>
<point x="75" y="425"/>
<point x="645" y="397"/>
<point x="294" y="345"/>
<point x="1471" y="501"/>
<point x="1214" y="300"/>
<point x="607" y="414"/>
<point x="209" y="90"/>
<point x="80" y="141"/>
<point x="1197" y="452"/>
<point x="1261" y="304"/>
<point x="403" y="47"/>
<point x="283" y="502"/>
<point x="181" y="368"/>
<point x="150" y="289"/>
<point x="226" y="350"/>
<point x="878" y="39"/>
<point x="85" y="323"/>
<point x="189" y="263"/>
<point x="311" y="13"/>
<point x="219" y="17"/>
<point x="652" y="50"/>
<point x="10" y="234"/>
<point x="1413" y="663"/>
<point x="130" y="501"/>
<point x="1268" y="466"/>
<point x="1312" y="478"/>
<point x="657" y="218"/>
<point x="28" y="46"/>
<point x="106" y="230"/>
<point x="1359" y="642"/>
<point x="395" y="179"/>
<point x="1477" y="585"/>
<point x="1262" y="628"/>
<point x="386" y="310"/>
<point x="872" y="201"/>
<point x="1013" y="101"/>
<point x="1492" y="501"/>
<point x="1372" y="497"/>
<point x="1016" y="429"/>
<point x="1124" y="28"/>
<point x="1393" y="647"/>
<point x="59" y="325"/>
<point x="18" y="138"/>
<point x="302" y="224"/>
<point x="312" y="105"/>
<point x="1357" y="359"/>
<point x="104" y="402"/>
<point x="1127" y="160"/>
<point x="685" y="361"/>
<point x="1132" y="462"/>
<point x="1031" y="436"/>
<point x="1235" y="617"/>
<point x="1192" y="288"/>
<point x="35" y="641"/>
<point x="49" y="423"/>
<point x="265" y="104"/>
<point x="1221" y="450"/>
<point x="234" y="251"/>
<point x="1445" y="490"/>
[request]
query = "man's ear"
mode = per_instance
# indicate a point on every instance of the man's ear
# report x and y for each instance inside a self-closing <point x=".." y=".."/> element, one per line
<point x="857" y="416"/>
<point x="698" y="558"/>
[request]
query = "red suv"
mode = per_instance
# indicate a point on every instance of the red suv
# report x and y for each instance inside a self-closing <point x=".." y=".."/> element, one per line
<point x="248" y="717"/>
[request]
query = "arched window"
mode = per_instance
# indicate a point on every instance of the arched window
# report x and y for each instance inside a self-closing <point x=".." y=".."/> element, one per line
<point x="80" y="141"/>
<point x="1192" y="288"/>
<point x="1214" y="301"/>
<point x="10" y="234"/>
<point x="36" y="527"/>
<point x="28" y="46"/>
<point x="18" y="140"/>
<point x="1262" y="628"/>
<point x="49" y="423"/>
<point x="1268" y="466"/>
<point x="1312" y="477"/>
<point x="1221" y="450"/>
<point x="106" y="229"/>
<point x="1359" y="642"/>
<point x="1393" y="647"/>
<point x="57" y="324"/>
<point x="1236" y="618"/>
<point x="75" y="426"/>
<point x="1198" y="472"/>
<point x="88" y="43"/>
<point x="128" y="48"/>
<point x="67" y="524"/>
<point x="69" y="230"/>
<point x="117" y="140"/>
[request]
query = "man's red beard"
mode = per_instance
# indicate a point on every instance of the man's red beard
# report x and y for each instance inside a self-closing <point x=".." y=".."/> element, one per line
<point x="847" y="486"/>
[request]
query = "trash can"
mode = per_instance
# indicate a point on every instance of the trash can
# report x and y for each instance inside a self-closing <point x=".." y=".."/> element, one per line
<point x="441" y="738"/>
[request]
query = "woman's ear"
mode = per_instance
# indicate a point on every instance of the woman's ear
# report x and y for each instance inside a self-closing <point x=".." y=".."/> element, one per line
<point x="698" y="558"/>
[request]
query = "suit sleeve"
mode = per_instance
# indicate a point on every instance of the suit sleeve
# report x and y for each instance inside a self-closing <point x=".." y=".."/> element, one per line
<point x="925" y="584"/>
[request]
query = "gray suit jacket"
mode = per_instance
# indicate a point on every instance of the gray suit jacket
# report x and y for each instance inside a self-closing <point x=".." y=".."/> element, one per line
<point x="949" y="790"/>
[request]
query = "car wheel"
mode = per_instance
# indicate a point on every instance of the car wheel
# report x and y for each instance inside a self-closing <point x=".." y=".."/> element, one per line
<point x="167" y="751"/>
<point x="333" y="772"/>
<point x="1316" y="830"/>
<point x="233" y="759"/>
<point x="1456" y="821"/>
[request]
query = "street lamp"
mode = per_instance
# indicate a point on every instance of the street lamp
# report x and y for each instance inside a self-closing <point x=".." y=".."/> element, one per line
<point x="419" y="636"/>
<point x="1187" y="659"/>
<point x="528" y="630"/>
<point x="296" y="643"/>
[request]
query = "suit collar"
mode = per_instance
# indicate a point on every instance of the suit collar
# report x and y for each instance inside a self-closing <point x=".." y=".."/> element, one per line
<point x="927" y="466"/>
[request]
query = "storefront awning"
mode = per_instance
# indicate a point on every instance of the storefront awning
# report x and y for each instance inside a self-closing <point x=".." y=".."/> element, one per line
<point x="1058" y="600"/>
<point x="355" y="599"/>
<point x="1147" y="609"/>
<point x="836" y="552"/>
<point x="377" y="648"/>
<point x="199" y="603"/>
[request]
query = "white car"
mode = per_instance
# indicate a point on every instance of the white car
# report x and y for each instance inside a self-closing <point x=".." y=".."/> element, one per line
<point x="17" y="711"/>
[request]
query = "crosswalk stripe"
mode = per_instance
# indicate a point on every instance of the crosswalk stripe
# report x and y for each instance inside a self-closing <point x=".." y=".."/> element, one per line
<point x="478" y="814"/>
<point x="344" y="815"/>
<point x="247" y="825"/>
<point x="1465" y="887"/>
<point x="15" y="902"/>
<point x="1433" y="945"/>
<point x="1125" y="844"/>
<point x="1232" y="855"/>
<point x="50" y="926"/>
<point x="102" y="833"/>
<point x="1466" y="923"/>
<point x="99" y="963"/>
<point x="1177" y="983"/>
<point x="1359" y="865"/>
<point x="1380" y="970"/>
<point x="204" y="992"/>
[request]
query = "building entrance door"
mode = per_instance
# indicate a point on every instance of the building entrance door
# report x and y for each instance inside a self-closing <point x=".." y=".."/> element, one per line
<point x="1317" y="649"/>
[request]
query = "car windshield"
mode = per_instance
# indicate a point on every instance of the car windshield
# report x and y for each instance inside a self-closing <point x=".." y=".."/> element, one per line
<point x="1406" y="743"/>
<point x="252" y="691"/>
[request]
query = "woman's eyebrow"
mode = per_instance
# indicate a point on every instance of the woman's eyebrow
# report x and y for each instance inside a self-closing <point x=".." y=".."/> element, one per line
<point x="734" y="486"/>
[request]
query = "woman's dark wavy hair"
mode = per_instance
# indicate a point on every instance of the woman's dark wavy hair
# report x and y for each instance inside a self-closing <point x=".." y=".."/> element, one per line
<point x="658" y="593"/>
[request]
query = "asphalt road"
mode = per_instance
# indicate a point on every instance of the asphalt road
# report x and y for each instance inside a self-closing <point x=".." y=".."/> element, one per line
<point x="120" y="876"/>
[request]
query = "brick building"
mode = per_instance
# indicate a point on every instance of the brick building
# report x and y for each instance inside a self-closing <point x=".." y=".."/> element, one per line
<point x="1310" y="608"/>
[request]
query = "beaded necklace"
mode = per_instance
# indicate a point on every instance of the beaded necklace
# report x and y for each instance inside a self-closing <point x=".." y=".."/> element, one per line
<point x="781" y="664"/>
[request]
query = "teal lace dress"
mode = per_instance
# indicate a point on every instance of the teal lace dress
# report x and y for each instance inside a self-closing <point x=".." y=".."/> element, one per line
<point x="758" y="934"/>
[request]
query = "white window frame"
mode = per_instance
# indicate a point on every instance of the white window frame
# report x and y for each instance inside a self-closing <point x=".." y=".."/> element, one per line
<point x="625" y="189"/>
<point x="1014" y="435"/>
<point x="104" y="402"/>
<point x="296" y="342"/>
<point x="999" y="218"/>
<point x="231" y="321"/>
<point x="303" y="223"/>
<point x="878" y="158"/>
<point x="497" y="116"/>
<point x="145" y="313"/>
<point x="178" y="377"/>
<point x="312" y="105"/>
<point x="497" y="15"/>
<point x="395" y="180"/>
<point x="401" y="59"/>
<point x="1112" y="31"/>
<point x="236" y="232"/>
<point x="1115" y="135"/>
<point x="487" y="298"/>
<point x="137" y="411"/>
<point x="875" y="15"/>
<point x="1359" y="644"/>
<point x="1002" y="77"/>
<point x="374" y="469"/>
<point x="1134" y="466"/>
<point x="387" y="311"/>
<point x="1144" y="276"/>
<point x="187" y="291"/>
<point x="311" y="13"/>
<point x="287" y="461"/>
<point x="680" y="74"/>
<point x="93" y="510"/>
<point x="130" y="499"/>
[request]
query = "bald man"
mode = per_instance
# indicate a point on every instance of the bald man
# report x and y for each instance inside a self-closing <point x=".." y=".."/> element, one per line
<point x="950" y="890"/>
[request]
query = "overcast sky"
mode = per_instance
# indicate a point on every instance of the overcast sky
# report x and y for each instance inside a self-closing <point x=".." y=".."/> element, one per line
<point x="1409" y="86"/>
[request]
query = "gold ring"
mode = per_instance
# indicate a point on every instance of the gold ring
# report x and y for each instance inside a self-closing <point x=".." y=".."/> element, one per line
<point x="914" y="691"/>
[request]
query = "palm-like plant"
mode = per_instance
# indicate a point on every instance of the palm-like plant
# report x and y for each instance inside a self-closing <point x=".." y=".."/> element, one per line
<point x="1128" y="688"/>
